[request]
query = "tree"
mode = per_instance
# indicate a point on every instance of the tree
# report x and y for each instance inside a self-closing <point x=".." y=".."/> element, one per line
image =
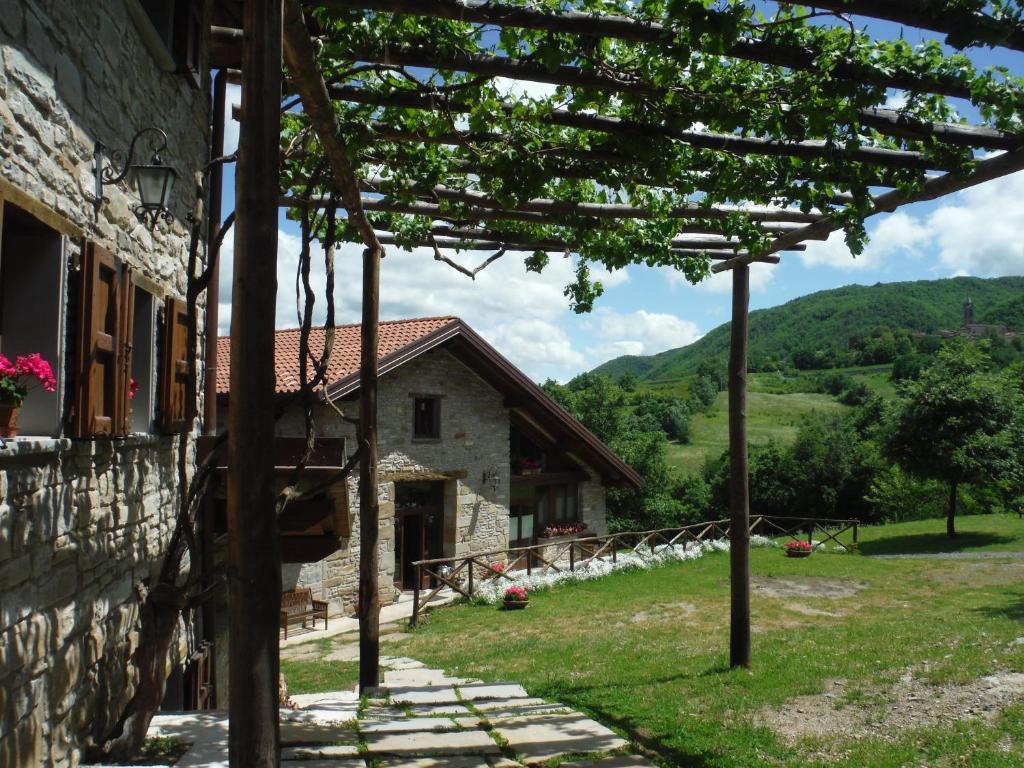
<point x="959" y="423"/>
<point x="628" y="381"/>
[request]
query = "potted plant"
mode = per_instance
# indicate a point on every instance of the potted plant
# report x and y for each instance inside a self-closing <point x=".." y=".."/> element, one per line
<point x="798" y="548"/>
<point x="516" y="598"/>
<point x="563" y="529"/>
<point x="530" y="466"/>
<point x="15" y="381"/>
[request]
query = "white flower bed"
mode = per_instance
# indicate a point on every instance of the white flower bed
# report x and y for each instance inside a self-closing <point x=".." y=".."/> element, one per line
<point x="492" y="591"/>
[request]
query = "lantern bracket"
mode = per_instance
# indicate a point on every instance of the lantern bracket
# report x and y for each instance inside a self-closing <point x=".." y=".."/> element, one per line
<point x="119" y="163"/>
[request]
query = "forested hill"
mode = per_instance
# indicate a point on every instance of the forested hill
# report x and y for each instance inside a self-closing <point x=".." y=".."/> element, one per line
<point x="827" y="321"/>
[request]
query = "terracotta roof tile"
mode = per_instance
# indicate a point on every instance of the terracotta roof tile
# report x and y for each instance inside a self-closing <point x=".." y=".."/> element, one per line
<point x="394" y="335"/>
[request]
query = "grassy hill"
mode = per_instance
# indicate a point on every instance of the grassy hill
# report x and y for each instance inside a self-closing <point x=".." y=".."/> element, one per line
<point x="829" y="319"/>
<point x="769" y="417"/>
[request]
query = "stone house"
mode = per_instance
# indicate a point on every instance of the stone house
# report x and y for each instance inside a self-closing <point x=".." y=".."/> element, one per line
<point x="89" y="488"/>
<point x="473" y="456"/>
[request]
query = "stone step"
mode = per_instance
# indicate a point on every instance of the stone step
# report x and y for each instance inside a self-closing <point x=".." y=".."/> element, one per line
<point x="541" y="738"/>
<point x="430" y="744"/>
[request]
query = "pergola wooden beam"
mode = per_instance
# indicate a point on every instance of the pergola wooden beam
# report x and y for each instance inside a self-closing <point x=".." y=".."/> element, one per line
<point x="594" y="164"/>
<point x="943" y="17"/>
<point x="715" y="248"/>
<point x="631" y="129"/>
<point x="888" y="122"/>
<point x="548" y="211"/>
<point x="632" y="30"/>
<point x="472" y="233"/>
<point x="594" y="210"/>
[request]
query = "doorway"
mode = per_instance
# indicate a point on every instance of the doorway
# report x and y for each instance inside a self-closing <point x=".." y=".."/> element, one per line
<point x="419" y="526"/>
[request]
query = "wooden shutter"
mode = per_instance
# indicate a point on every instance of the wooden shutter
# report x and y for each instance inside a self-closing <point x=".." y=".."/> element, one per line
<point x="98" y="330"/>
<point x="174" y="410"/>
<point x="125" y="329"/>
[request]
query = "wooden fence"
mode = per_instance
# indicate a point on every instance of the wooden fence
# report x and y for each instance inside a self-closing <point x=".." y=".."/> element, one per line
<point x="463" y="573"/>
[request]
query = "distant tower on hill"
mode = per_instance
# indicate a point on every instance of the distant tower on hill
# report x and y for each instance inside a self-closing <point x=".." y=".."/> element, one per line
<point x="968" y="312"/>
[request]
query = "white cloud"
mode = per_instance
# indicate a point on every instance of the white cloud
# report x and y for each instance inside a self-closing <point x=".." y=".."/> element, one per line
<point x="639" y="333"/>
<point x="522" y="313"/>
<point x="978" y="230"/>
<point x="974" y="232"/>
<point x="896" y="100"/>
<point x="518" y="89"/>
<point x="897" y="235"/>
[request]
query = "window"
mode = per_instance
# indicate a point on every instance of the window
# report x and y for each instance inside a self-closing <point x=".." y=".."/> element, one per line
<point x="32" y="272"/>
<point x="143" y="362"/>
<point x="426" y="420"/>
<point x="558" y="504"/>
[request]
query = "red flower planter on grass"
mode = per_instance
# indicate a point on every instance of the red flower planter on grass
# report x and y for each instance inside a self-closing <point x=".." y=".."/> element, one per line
<point x="516" y="598"/>
<point x="798" y="548"/>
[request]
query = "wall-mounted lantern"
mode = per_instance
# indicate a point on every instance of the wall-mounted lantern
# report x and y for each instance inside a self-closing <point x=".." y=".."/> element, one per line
<point x="153" y="180"/>
<point x="492" y="477"/>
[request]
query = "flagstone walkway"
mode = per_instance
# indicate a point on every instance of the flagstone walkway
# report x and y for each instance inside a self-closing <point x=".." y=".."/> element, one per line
<point x="426" y="720"/>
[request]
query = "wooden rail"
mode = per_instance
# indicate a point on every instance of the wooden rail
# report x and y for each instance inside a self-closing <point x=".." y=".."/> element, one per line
<point x="463" y="573"/>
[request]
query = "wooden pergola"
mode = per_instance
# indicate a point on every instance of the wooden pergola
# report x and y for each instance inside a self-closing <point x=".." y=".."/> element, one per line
<point x="641" y="152"/>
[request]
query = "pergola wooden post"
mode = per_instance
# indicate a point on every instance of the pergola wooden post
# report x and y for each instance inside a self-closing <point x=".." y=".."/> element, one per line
<point x="254" y="548"/>
<point x="369" y="504"/>
<point x="739" y="477"/>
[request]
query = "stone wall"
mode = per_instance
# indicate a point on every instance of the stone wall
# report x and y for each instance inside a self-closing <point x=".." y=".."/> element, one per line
<point x="83" y="523"/>
<point x="474" y="440"/>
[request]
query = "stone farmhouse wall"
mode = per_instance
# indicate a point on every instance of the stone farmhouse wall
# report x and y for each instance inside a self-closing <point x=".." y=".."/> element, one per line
<point x="84" y="522"/>
<point x="475" y="430"/>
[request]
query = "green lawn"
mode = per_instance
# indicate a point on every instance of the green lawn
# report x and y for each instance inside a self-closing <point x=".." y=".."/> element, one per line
<point x="835" y="636"/>
<point x="976" y="533"/>
<point x="769" y="417"/>
<point x="646" y="653"/>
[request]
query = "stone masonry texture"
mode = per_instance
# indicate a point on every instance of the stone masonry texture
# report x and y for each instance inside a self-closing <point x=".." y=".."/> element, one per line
<point x="83" y="523"/>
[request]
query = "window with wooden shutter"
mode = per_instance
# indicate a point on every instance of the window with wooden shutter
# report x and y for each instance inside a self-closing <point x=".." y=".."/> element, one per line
<point x="174" y="410"/>
<point x="104" y="351"/>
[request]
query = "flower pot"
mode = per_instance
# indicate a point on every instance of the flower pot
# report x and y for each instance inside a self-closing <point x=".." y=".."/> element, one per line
<point x="9" y="420"/>
<point x="515" y="605"/>
<point x="798" y="552"/>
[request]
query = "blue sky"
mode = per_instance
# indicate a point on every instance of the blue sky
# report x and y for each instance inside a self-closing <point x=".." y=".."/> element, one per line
<point x="644" y="310"/>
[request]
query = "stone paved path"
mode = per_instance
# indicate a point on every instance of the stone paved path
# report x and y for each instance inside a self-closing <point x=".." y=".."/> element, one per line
<point x="427" y="720"/>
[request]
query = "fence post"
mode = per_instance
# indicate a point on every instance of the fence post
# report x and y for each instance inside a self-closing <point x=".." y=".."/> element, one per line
<point x="572" y="556"/>
<point x="529" y="561"/>
<point x="855" y="527"/>
<point x="810" y="533"/>
<point x="416" y="596"/>
<point x="615" y="549"/>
